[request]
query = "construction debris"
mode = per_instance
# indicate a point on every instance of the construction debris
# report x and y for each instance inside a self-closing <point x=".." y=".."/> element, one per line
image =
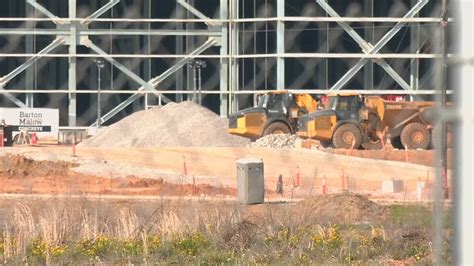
<point x="175" y="125"/>
<point x="276" y="141"/>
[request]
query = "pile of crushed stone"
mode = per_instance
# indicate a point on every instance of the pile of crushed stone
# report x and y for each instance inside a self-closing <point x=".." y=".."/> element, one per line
<point x="174" y="125"/>
<point x="276" y="141"/>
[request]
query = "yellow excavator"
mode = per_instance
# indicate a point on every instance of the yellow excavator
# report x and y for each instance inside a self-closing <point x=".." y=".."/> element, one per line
<point x="276" y="112"/>
<point x="352" y="120"/>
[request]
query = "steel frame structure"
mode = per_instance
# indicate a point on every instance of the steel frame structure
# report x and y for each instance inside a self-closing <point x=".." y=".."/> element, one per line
<point x="224" y="32"/>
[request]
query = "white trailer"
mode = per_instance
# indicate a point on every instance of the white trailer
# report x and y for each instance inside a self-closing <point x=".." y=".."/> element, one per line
<point x="43" y="121"/>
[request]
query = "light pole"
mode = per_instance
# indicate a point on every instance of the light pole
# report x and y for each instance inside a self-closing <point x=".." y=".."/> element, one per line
<point x="100" y="64"/>
<point x="196" y="66"/>
<point x="200" y="64"/>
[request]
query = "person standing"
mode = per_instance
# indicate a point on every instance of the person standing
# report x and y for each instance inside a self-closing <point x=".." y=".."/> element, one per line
<point x="279" y="186"/>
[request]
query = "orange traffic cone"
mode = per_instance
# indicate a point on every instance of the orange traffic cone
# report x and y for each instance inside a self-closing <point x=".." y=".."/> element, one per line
<point x="34" y="139"/>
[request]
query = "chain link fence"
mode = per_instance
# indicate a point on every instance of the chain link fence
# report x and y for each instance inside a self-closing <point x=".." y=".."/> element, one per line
<point x="49" y="50"/>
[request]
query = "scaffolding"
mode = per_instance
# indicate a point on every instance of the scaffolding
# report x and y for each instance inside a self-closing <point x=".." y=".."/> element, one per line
<point x="252" y="46"/>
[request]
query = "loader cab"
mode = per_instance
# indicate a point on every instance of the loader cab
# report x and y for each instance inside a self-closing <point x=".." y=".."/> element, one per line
<point x="275" y="102"/>
<point x="346" y="106"/>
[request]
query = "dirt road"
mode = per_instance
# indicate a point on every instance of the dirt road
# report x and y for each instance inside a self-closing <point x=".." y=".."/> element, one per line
<point x="217" y="165"/>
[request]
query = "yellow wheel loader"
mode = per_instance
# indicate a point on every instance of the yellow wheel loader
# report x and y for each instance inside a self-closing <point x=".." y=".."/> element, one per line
<point x="351" y="120"/>
<point x="276" y="112"/>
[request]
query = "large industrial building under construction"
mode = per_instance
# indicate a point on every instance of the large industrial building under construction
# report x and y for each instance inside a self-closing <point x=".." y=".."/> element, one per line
<point x="161" y="51"/>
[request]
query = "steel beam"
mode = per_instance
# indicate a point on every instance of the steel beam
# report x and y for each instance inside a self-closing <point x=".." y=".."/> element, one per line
<point x="224" y="62"/>
<point x="50" y="47"/>
<point x="280" y="45"/>
<point x="369" y="49"/>
<point x="23" y="31"/>
<point x="215" y="92"/>
<point x="99" y="12"/>
<point x="183" y="61"/>
<point x="150" y="85"/>
<point x="125" y="32"/>
<point x="208" y="21"/>
<point x="11" y="97"/>
<point x="101" y="32"/>
<point x="118" y="65"/>
<point x="7" y="78"/>
<point x="45" y="11"/>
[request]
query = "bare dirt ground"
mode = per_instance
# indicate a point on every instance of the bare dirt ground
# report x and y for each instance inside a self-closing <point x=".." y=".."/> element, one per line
<point x="210" y="171"/>
<point x="119" y="194"/>
<point x="422" y="157"/>
<point x="23" y="175"/>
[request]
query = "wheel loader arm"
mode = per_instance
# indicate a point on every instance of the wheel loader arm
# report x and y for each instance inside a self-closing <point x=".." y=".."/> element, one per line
<point x="307" y="102"/>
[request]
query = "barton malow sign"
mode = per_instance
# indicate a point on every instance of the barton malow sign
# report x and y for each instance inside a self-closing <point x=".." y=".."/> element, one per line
<point x="43" y="121"/>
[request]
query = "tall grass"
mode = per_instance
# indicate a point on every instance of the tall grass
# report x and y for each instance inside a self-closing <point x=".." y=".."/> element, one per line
<point x="84" y="231"/>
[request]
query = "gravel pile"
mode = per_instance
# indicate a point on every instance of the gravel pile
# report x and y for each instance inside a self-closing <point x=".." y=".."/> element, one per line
<point x="276" y="141"/>
<point x="175" y="125"/>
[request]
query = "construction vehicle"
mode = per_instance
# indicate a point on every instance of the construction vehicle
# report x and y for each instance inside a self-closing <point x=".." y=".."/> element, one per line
<point x="276" y="112"/>
<point x="351" y="121"/>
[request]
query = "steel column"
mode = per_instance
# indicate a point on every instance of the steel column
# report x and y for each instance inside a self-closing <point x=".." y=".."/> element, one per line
<point x="29" y="48"/>
<point x="280" y="45"/>
<point x="224" y="62"/>
<point x="414" y="48"/>
<point x="179" y="50"/>
<point x="72" y="82"/>
<point x="190" y="40"/>
<point x="234" y="51"/>
<point x="369" y="35"/>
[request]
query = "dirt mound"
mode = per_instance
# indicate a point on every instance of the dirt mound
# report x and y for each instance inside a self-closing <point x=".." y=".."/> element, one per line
<point x="20" y="166"/>
<point x="175" y="125"/>
<point x="341" y="208"/>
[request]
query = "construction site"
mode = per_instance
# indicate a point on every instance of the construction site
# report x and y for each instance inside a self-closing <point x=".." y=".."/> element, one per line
<point x="227" y="132"/>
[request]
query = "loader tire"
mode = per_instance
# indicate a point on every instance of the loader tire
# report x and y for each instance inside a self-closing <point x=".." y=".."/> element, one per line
<point x="415" y="136"/>
<point x="347" y="135"/>
<point x="277" y="128"/>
